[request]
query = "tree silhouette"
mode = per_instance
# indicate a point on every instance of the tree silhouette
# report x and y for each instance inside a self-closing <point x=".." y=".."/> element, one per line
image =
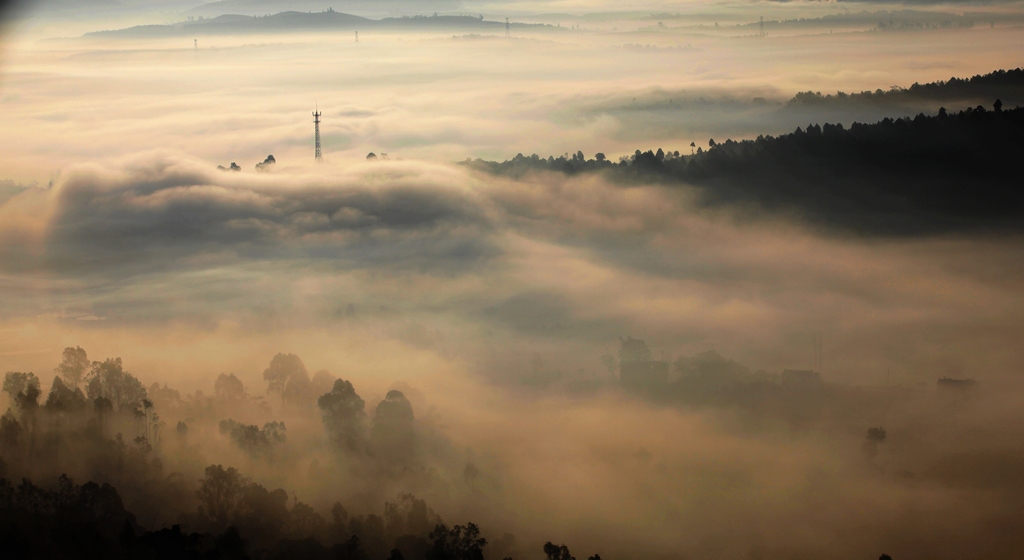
<point x="343" y="415"/>
<point x="73" y="366"/>
<point x="18" y="383"/>
<point x="64" y="398"/>
<point x="392" y="433"/>
<point x="220" y="492"/>
<point x="458" y="543"/>
<point x="411" y="517"/>
<point x="282" y="370"/>
<point x="10" y="435"/>
<point x="250" y="438"/>
<point x="228" y="387"/>
<point x="108" y="380"/>
<point x="557" y="552"/>
<point x="262" y="512"/>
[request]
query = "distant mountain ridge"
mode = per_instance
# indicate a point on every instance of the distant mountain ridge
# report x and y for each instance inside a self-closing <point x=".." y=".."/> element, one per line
<point x="306" y="21"/>
<point x="365" y="8"/>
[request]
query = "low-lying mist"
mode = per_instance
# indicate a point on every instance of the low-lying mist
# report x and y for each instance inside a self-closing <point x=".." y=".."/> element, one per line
<point x="214" y="346"/>
<point x="496" y="307"/>
<point x="449" y="95"/>
<point x="476" y="267"/>
<point x="760" y="468"/>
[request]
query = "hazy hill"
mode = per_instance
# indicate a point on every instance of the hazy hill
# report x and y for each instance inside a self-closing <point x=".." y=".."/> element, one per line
<point x="366" y="8"/>
<point x="307" y="21"/>
<point x="925" y="175"/>
<point x="879" y="20"/>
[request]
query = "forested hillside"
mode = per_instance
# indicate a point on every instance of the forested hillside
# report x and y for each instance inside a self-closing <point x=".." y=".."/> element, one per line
<point x="927" y="174"/>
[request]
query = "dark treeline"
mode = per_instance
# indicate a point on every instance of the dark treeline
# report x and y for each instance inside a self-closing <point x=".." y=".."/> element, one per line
<point x="90" y="521"/>
<point x="928" y="174"/>
<point x="1001" y="84"/>
<point x="111" y="435"/>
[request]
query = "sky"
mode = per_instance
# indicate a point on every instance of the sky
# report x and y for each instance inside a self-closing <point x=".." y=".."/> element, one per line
<point x="473" y="291"/>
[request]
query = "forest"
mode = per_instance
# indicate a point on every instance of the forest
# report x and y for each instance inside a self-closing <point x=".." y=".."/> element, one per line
<point x="130" y="506"/>
<point x="898" y="177"/>
<point x="117" y="470"/>
<point x="1000" y="84"/>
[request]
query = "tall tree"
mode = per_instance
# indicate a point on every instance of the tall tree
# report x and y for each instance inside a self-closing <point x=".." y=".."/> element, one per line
<point x="343" y="415"/>
<point x="109" y="380"/>
<point x="220" y="492"/>
<point x="228" y="387"/>
<point x="74" y="366"/>
<point x="288" y="377"/>
<point x="392" y="434"/>
<point x="17" y="383"/>
<point x="64" y="398"/>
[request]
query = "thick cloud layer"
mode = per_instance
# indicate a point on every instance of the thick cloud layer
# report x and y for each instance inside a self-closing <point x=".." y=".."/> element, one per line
<point x="445" y="258"/>
<point x="156" y="212"/>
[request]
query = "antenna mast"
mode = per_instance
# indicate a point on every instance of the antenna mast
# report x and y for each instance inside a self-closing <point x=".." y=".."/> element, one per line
<point x="762" y="26"/>
<point x="316" y="125"/>
<point x="507" y="33"/>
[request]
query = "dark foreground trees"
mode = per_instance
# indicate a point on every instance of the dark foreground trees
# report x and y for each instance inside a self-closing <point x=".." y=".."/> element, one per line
<point x="237" y="519"/>
<point x="90" y="521"/>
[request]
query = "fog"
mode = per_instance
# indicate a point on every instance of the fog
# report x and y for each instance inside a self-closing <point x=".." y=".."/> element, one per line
<point x="435" y="97"/>
<point x="487" y="322"/>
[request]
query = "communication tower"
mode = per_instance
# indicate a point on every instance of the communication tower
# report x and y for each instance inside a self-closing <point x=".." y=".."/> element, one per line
<point x="762" y="26"/>
<point x="507" y="32"/>
<point x="316" y="127"/>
